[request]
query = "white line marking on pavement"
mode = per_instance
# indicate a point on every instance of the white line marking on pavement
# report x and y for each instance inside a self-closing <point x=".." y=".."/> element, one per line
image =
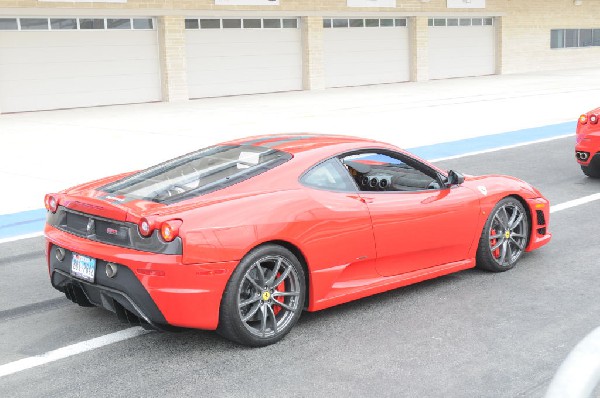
<point x="501" y="148"/>
<point x="575" y="202"/>
<point x="70" y="350"/>
<point x="20" y="237"/>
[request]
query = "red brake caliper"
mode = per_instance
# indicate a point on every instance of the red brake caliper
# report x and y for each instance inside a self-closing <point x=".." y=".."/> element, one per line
<point x="495" y="253"/>
<point x="279" y="288"/>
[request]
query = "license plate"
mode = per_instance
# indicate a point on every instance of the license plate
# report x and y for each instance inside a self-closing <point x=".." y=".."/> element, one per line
<point x="83" y="267"/>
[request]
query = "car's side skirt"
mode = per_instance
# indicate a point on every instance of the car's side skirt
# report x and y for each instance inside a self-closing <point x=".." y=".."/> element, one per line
<point x="344" y="294"/>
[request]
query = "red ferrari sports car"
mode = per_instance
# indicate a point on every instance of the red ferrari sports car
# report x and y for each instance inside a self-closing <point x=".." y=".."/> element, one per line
<point x="587" y="148"/>
<point x="243" y="236"/>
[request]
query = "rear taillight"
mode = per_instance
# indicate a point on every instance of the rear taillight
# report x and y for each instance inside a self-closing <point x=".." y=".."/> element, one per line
<point x="583" y="119"/>
<point x="51" y="203"/>
<point x="145" y="227"/>
<point x="169" y="230"/>
<point x="593" y="119"/>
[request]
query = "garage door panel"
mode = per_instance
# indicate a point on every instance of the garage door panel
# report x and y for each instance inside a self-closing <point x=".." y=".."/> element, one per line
<point x="39" y="71"/>
<point x="76" y="54"/>
<point x="467" y="56"/>
<point x="74" y="100"/>
<point x="461" y="51"/>
<point x="71" y="85"/>
<point x="216" y="89"/>
<point x="258" y="74"/>
<point x="359" y="56"/>
<point x="74" y="38"/>
<point x="362" y="69"/>
<point x="244" y="46"/>
<point x="397" y="42"/>
<point x="56" y="69"/>
<point x="366" y="47"/>
<point x="206" y="63"/>
<point x="372" y="57"/>
<point x="366" y="79"/>
<point x="364" y="35"/>
<point x="239" y="50"/>
<point x="279" y="81"/>
<point x="211" y="36"/>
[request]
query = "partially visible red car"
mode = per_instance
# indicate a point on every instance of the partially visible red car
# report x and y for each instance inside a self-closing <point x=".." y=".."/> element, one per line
<point x="587" y="148"/>
<point x="243" y="236"/>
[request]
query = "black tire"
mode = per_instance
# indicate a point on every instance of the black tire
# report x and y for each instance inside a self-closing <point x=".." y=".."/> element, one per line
<point x="591" y="171"/>
<point x="259" y="317"/>
<point x="504" y="236"/>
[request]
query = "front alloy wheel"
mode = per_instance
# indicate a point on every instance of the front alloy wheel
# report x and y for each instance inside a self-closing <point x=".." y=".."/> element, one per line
<point x="264" y="297"/>
<point x="504" y="236"/>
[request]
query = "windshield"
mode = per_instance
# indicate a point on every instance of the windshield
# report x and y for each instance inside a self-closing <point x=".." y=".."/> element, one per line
<point x="197" y="173"/>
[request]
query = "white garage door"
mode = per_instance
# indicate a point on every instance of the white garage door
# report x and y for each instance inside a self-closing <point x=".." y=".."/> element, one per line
<point x="365" y="51"/>
<point x="52" y="63"/>
<point x="243" y="56"/>
<point x="461" y="47"/>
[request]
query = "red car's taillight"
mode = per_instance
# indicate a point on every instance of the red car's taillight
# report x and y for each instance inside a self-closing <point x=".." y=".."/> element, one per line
<point x="593" y="119"/>
<point x="51" y="203"/>
<point x="169" y="230"/>
<point x="145" y="227"/>
<point x="583" y="119"/>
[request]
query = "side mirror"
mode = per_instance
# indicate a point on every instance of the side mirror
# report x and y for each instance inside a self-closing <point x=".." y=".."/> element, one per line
<point x="454" y="178"/>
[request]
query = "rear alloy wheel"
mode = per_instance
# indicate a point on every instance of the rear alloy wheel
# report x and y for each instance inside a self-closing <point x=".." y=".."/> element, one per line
<point x="590" y="171"/>
<point x="264" y="298"/>
<point x="504" y="236"/>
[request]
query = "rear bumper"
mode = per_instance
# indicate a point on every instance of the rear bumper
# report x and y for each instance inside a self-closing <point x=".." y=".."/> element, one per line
<point x="589" y="145"/>
<point x="539" y="209"/>
<point x="157" y="288"/>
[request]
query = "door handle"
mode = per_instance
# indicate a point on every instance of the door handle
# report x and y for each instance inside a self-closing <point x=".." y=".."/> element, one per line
<point x="361" y="199"/>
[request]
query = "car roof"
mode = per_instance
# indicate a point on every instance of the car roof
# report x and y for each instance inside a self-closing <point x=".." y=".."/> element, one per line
<point x="296" y="143"/>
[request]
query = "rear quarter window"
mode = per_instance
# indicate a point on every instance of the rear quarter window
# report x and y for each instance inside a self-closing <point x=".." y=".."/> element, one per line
<point x="329" y="175"/>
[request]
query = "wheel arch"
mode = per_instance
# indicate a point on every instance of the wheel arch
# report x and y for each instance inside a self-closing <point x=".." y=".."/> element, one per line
<point x="299" y="255"/>
<point x="529" y="214"/>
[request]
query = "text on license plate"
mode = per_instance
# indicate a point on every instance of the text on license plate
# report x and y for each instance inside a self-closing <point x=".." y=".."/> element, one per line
<point x="83" y="267"/>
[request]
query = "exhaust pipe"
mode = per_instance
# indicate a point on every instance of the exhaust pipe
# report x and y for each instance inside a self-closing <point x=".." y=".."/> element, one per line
<point x="582" y="156"/>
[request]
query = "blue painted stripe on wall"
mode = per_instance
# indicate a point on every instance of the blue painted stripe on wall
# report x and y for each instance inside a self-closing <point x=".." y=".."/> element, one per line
<point x="32" y="221"/>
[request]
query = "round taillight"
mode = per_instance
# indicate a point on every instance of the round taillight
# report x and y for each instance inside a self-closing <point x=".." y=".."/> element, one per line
<point x="51" y="203"/>
<point x="583" y="119"/>
<point x="145" y="227"/>
<point x="169" y="230"/>
<point x="594" y="119"/>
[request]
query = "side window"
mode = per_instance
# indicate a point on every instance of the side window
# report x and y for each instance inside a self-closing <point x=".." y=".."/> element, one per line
<point x="381" y="171"/>
<point x="328" y="175"/>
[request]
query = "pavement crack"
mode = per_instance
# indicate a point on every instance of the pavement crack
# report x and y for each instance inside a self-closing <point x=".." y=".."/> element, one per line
<point x="11" y="260"/>
<point x="34" y="308"/>
<point x="538" y="387"/>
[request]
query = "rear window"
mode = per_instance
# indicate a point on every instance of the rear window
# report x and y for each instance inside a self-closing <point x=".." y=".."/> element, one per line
<point x="197" y="173"/>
